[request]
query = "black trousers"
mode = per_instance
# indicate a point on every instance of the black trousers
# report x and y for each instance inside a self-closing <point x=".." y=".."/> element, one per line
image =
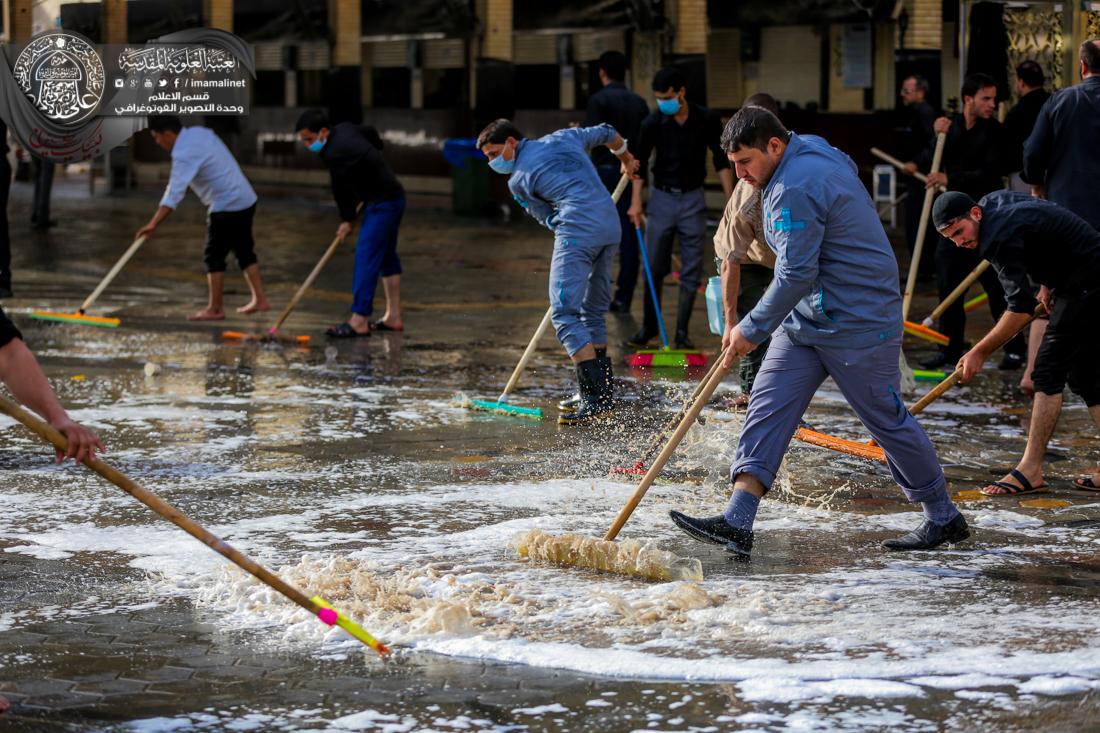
<point x="1070" y="351"/>
<point x="953" y="264"/>
<point x="629" y="254"/>
<point x="914" y="202"/>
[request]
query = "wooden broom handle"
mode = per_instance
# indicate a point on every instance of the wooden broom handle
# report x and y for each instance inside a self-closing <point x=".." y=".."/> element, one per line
<point x="922" y="229"/>
<point x="675" y="419"/>
<point x="161" y="507"/>
<point x="957" y="292"/>
<point x="901" y="166"/>
<point x="336" y="241"/>
<point x="936" y="392"/>
<point x="112" y="273"/>
<point x="670" y="447"/>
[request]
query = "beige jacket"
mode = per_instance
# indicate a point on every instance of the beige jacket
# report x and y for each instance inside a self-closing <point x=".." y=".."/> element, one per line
<point x="740" y="234"/>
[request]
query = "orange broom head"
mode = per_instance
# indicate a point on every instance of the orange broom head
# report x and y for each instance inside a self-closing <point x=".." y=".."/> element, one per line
<point x="851" y="447"/>
<point x="928" y="334"/>
<point x="235" y="335"/>
<point x="302" y="339"/>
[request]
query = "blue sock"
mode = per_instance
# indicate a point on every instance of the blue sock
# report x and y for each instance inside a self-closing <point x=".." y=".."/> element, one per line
<point x="741" y="511"/>
<point x="941" y="509"/>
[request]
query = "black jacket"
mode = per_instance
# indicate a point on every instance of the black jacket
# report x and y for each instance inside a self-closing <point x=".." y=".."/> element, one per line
<point x="916" y="130"/>
<point x="358" y="170"/>
<point x="1063" y="152"/>
<point x="1019" y="123"/>
<point x="1030" y="240"/>
<point x="622" y="109"/>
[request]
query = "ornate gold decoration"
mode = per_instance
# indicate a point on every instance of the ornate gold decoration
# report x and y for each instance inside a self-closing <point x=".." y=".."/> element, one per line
<point x="1035" y="32"/>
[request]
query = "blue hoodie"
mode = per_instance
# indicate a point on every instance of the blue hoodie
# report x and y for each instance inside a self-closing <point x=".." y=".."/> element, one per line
<point x="836" y="278"/>
<point x="555" y="182"/>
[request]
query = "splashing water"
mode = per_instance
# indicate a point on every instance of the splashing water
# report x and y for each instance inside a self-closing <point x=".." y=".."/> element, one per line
<point x="626" y="557"/>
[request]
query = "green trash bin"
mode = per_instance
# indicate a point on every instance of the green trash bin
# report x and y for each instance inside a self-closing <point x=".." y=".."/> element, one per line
<point x="469" y="177"/>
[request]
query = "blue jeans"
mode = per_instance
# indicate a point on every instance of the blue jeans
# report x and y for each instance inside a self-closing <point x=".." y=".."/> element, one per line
<point x="376" y="252"/>
<point x="869" y="378"/>
<point x="580" y="292"/>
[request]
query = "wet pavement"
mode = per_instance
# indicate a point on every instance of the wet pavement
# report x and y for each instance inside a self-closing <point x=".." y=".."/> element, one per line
<point x="350" y="469"/>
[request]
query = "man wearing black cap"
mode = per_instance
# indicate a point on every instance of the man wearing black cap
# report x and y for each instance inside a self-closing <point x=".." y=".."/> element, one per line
<point x="973" y="163"/>
<point x="1030" y="240"/>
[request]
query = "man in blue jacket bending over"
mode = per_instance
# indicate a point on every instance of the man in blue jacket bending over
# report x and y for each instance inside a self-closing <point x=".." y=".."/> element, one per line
<point x="835" y="294"/>
<point x="554" y="180"/>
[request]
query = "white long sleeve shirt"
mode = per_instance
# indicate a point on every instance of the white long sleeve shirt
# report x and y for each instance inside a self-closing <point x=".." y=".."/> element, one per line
<point x="201" y="160"/>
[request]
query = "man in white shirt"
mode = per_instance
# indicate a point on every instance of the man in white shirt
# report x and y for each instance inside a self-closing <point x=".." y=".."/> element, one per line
<point x="201" y="160"/>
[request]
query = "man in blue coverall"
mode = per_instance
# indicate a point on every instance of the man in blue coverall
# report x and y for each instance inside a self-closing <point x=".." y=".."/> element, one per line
<point x="835" y="294"/>
<point x="554" y="180"/>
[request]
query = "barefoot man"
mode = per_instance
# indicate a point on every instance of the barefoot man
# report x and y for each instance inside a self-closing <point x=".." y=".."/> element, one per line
<point x="201" y="160"/>
<point x="1029" y="240"/>
<point x="832" y="310"/>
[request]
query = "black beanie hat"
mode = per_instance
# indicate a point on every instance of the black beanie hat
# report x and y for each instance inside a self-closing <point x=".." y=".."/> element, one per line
<point x="951" y="206"/>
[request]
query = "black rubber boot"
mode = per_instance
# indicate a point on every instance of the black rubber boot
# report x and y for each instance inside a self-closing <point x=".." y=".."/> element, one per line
<point x="683" y="317"/>
<point x="597" y="397"/>
<point x="928" y="535"/>
<point x="717" y="531"/>
<point x="571" y="403"/>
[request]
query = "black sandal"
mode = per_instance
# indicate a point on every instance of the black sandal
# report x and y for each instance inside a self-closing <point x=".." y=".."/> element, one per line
<point x="380" y="325"/>
<point x="344" y="331"/>
<point x="1085" y="483"/>
<point x="1025" y="486"/>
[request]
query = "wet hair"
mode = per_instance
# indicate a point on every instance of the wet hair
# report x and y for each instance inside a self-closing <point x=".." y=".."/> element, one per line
<point x="752" y="127"/>
<point x="165" y="123"/>
<point x="1030" y="73"/>
<point x="497" y="132"/>
<point x="668" y="78"/>
<point x="613" y="64"/>
<point x="763" y="100"/>
<point x="1090" y="55"/>
<point x="973" y="83"/>
<point x="312" y="120"/>
<point x="919" y="82"/>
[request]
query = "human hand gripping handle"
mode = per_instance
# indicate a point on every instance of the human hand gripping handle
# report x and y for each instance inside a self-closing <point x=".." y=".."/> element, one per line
<point x="1006" y="328"/>
<point x="734" y="346"/>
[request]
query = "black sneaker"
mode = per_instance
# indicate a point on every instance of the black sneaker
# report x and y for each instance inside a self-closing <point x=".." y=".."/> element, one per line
<point x="929" y="535"/>
<point x="717" y="531"/>
<point x="617" y="306"/>
<point x="1010" y="362"/>
<point x="641" y="338"/>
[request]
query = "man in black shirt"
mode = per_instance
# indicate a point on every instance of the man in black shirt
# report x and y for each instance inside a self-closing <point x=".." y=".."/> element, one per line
<point x="1062" y="155"/>
<point x="20" y="372"/>
<point x="1020" y="120"/>
<point x="1029" y="240"/>
<point x="973" y="163"/>
<point x="681" y="133"/>
<point x="360" y="175"/>
<point x="624" y="110"/>
<point x="916" y="135"/>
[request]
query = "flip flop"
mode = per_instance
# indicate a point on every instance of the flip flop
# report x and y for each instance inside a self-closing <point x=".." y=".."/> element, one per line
<point x="1024" y="487"/>
<point x="1085" y="484"/>
<point x="380" y="325"/>
<point x="344" y="331"/>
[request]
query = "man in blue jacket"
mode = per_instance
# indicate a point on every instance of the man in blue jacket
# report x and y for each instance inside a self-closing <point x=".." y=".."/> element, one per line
<point x="554" y="180"/>
<point x="835" y="311"/>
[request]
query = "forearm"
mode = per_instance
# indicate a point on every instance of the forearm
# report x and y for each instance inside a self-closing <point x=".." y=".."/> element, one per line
<point x="20" y="372"/>
<point x="162" y="213"/>
<point x="1007" y="327"/>
<point x="731" y="289"/>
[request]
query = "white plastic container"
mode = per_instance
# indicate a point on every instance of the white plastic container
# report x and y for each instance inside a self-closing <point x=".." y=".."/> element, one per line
<point x="714" y="306"/>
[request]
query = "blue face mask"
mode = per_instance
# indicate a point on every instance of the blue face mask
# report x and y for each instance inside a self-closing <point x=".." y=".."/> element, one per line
<point x="316" y="146"/>
<point x="669" y="106"/>
<point x="502" y="166"/>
